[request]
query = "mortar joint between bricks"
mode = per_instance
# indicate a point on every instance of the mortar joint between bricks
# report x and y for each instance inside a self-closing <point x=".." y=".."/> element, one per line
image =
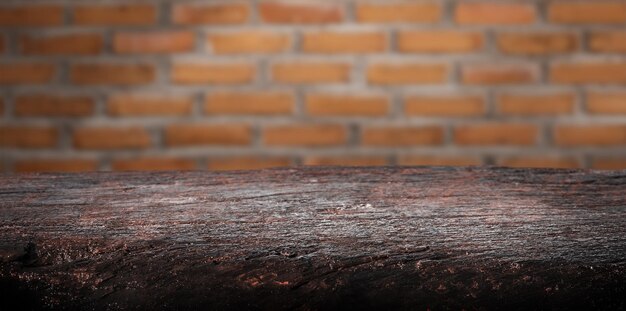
<point x="353" y="134"/>
<point x="491" y="98"/>
<point x="164" y="11"/>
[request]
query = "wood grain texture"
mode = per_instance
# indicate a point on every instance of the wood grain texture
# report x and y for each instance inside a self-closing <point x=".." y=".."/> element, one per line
<point x="315" y="238"/>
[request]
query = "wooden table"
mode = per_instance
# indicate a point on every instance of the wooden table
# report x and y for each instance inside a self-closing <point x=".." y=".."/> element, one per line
<point x="315" y="238"/>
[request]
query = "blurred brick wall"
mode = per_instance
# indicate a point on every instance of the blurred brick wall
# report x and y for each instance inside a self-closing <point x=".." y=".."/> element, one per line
<point x="168" y="84"/>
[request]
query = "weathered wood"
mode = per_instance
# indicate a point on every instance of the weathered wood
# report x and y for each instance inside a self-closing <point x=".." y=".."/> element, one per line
<point x="315" y="238"/>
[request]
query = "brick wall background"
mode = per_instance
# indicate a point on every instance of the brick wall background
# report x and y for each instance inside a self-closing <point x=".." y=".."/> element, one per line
<point x="118" y="85"/>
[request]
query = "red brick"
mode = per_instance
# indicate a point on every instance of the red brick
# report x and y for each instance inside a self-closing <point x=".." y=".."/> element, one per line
<point x="214" y="14"/>
<point x="445" y="105"/>
<point x="389" y="136"/>
<point x="539" y="162"/>
<point x="608" y="163"/>
<point x="486" y="13"/>
<point x="311" y="72"/>
<point x="249" y="103"/>
<point x="110" y="138"/>
<point x="115" y="15"/>
<point x="153" y="164"/>
<point x="81" y="44"/>
<point x="28" y="136"/>
<point x="494" y="73"/>
<point x="154" y="42"/>
<point x="31" y="15"/>
<point x="426" y="12"/>
<point x="432" y="73"/>
<point x="3" y="43"/>
<point x="55" y="165"/>
<point x="345" y="160"/>
<point x="346" y="105"/>
<point x="344" y="42"/>
<point x="246" y="163"/>
<point x="249" y="42"/>
<point x="43" y="105"/>
<point x="608" y="41"/>
<point x="140" y="105"/>
<point x="591" y="12"/>
<point x="110" y="73"/>
<point x="606" y="102"/>
<point x="537" y="43"/>
<point x="439" y="41"/>
<point x="438" y="160"/>
<point x="496" y="134"/>
<point x="305" y="135"/>
<point x="26" y="73"/>
<point x="310" y="12"/>
<point x="536" y="104"/>
<point x="207" y="73"/>
<point x="590" y="135"/>
<point x="588" y="72"/>
<point x="214" y="134"/>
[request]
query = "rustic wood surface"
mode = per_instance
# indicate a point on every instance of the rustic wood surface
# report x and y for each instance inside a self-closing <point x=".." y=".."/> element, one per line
<point x="315" y="238"/>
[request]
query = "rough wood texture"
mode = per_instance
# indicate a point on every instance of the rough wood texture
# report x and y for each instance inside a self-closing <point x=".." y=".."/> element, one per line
<point x="315" y="238"/>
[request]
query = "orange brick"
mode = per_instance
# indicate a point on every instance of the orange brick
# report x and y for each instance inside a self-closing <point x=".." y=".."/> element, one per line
<point x="153" y="164"/>
<point x="496" y="134"/>
<point x="31" y="15"/>
<point x="205" y="73"/>
<point x="606" y="102"/>
<point x="109" y="73"/>
<point x="215" y="134"/>
<point x="345" y="160"/>
<point x="344" y="42"/>
<point x="407" y="73"/>
<point x="305" y="135"/>
<point x="310" y="12"/>
<point x="588" y="72"/>
<point x="246" y="163"/>
<point x="125" y="105"/>
<point x="438" y="160"/>
<point x="197" y="14"/>
<point x="425" y="12"/>
<point x="608" y="41"/>
<point x="485" y="13"/>
<point x="249" y="42"/>
<point x="590" y="135"/>
<point x="83" y="44"/>
<point x="493" y="73"/>
<point x="154" y="42"/>
<point x="445" y="106"/>
<point x="55" y="165"/>
<point x="41" y="105"/>
<point x="402" y="136"/>
<point x="536" y="104"/>
<point x="28" y="137"/>
<point x="596" y="12"/>
<point x="539" y="162"/>
<point x="124" y="14"/>
<point x="252" y="103"/>
<point x="608" y="163"/>
<point x="311" y="72"/>
<point x="439" y="41"/>
<point x="346" y="105"/>
<point x="537" y="43"/>
<point x="26" y="73"/>
<point x="109" y="138"/>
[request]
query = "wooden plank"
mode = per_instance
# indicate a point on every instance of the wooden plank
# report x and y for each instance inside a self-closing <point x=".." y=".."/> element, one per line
<point x="315" y="238"/>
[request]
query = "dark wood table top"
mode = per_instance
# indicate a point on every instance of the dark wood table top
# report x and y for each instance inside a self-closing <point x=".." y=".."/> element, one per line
<point x="315" y="238"/>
